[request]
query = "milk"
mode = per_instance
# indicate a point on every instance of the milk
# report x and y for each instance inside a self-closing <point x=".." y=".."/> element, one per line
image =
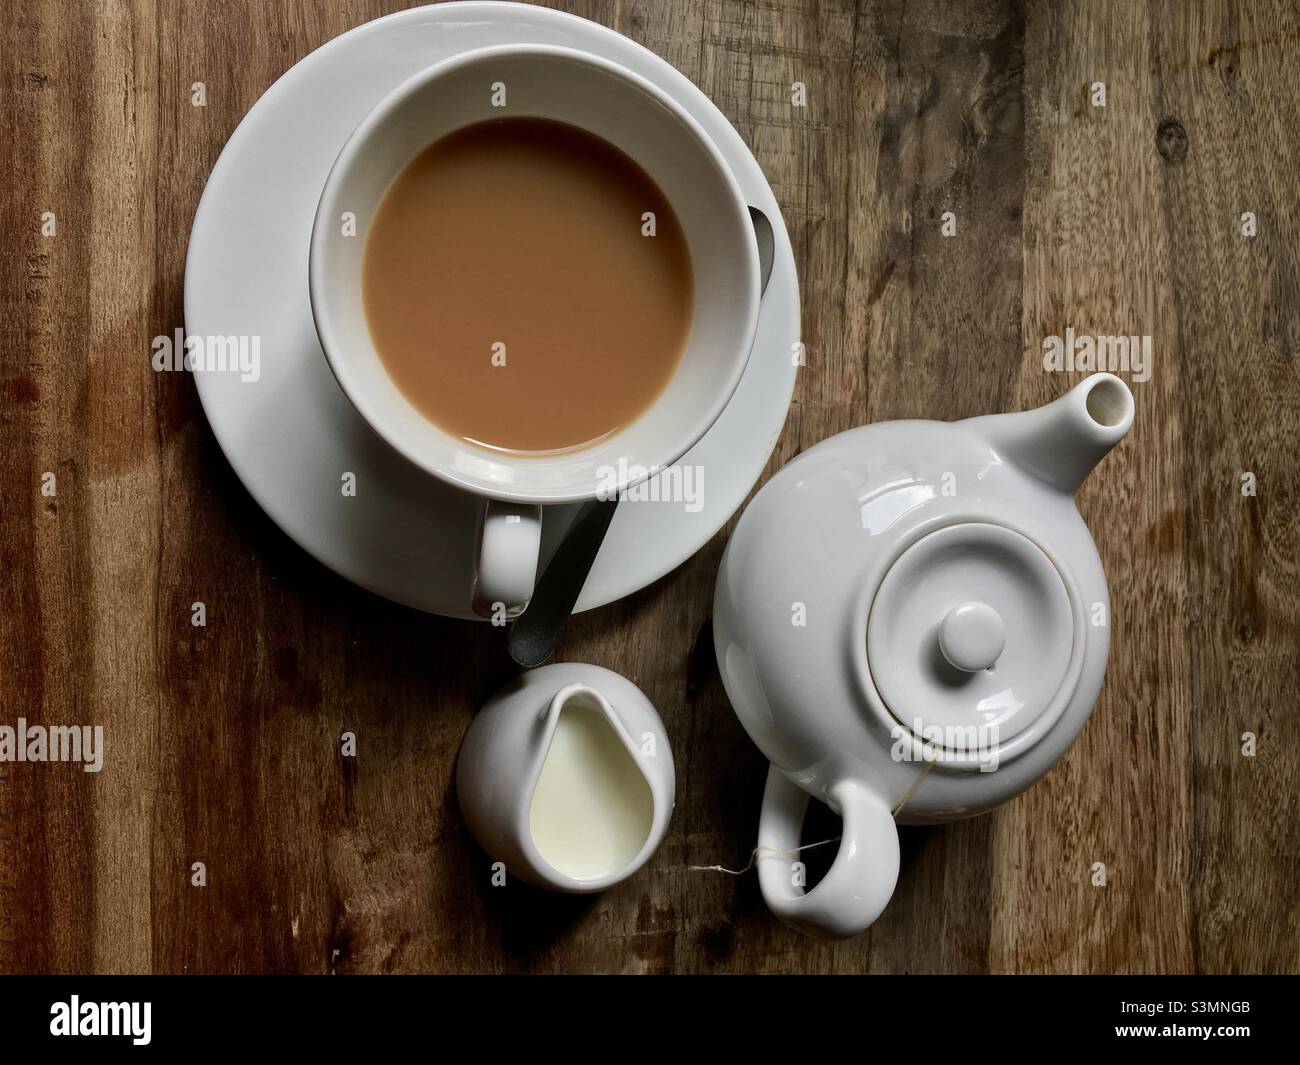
<point x="592" y="810"/>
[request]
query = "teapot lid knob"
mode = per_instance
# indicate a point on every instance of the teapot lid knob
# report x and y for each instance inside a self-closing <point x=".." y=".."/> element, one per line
<point x="972" y="636"/>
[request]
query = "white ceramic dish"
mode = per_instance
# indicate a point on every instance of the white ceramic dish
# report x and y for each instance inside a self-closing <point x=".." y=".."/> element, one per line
<point x="623" y="109"/>
<point x="646" y="124"/>
<point x="291" y="436"/>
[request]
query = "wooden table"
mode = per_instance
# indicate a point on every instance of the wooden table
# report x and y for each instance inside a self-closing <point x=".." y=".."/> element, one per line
<point x="223" y="741"/>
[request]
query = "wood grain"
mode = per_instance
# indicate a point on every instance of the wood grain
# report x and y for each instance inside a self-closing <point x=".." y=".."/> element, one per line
<point x="223" y="741"/>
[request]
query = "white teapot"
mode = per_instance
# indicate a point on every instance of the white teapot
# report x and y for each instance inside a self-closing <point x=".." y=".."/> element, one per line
<point x="912" y="623"/>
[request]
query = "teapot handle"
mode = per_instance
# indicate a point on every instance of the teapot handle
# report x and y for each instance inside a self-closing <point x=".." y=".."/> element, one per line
<point x="857" y="886"/>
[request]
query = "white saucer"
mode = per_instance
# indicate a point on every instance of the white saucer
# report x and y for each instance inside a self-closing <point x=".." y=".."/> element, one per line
<point x="291" y="435"/>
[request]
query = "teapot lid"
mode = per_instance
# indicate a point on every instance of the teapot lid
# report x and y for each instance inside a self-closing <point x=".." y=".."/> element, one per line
<point x="974" y="625"/>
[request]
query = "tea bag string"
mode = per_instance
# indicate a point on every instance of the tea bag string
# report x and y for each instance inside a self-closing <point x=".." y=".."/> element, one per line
<point x="776" y="852"/>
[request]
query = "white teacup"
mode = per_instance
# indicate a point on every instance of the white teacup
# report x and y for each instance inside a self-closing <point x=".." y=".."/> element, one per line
<point x="633" y="115"/>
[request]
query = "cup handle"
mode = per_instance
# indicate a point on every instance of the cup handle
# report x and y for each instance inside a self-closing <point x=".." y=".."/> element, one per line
<point x="505" y="570"/>
<point x="858" y="885"/>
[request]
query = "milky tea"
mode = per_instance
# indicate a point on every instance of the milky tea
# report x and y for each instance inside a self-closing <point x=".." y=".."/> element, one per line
<point x="527" y="286"/>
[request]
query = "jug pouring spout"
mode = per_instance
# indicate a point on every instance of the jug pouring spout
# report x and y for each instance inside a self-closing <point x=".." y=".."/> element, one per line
<point x="1061" y="442"/>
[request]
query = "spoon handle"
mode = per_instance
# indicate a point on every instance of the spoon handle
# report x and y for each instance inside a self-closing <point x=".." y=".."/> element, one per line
<point x="537" y="630"/>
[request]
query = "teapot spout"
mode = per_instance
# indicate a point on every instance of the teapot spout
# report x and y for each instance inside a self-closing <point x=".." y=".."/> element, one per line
<point x="1061" y="442"/>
